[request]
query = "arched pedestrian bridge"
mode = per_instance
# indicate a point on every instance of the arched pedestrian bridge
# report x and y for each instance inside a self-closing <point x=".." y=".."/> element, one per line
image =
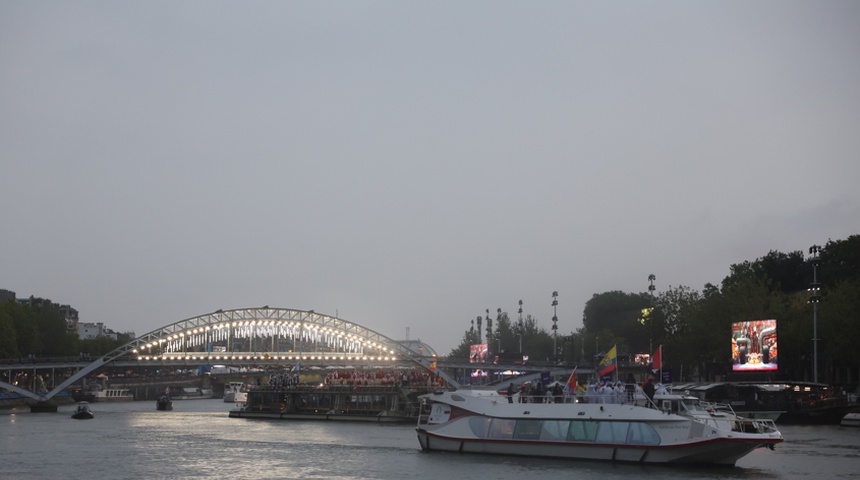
<point x="255" y="336"/>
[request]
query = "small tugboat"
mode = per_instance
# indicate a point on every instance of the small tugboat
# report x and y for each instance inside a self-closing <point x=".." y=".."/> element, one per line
<point x="83" y="412"/>
<point x="164" y="403"/>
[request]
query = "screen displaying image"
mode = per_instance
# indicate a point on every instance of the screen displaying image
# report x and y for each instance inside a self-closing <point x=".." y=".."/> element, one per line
<point x="478" y="353"/>
<point x="754" y="346"/>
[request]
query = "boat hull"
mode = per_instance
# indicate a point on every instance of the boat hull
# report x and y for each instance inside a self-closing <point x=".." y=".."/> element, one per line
<point x="340" y="417"/>
<point x="235" y="397"/>
<point x="713" y="452"/>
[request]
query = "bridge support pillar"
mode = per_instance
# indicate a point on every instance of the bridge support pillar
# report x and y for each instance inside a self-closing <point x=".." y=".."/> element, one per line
<point x="43" y="407"/>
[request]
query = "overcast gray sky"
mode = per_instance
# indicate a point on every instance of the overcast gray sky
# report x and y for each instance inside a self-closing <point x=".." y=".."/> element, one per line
<point x="411" y="164"/>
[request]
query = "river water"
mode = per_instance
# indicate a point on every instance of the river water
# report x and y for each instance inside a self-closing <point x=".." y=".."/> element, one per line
<point x="132" y="440"/>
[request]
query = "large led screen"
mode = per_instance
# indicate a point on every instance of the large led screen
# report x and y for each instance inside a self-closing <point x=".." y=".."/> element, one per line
<point x="478" y="353"/>
<point x="754" y="346"/>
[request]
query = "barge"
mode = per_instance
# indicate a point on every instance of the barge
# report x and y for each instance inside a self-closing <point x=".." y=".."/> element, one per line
<point x="359" y="403"/>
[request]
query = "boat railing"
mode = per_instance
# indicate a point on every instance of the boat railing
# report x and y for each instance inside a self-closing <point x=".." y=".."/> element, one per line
<point x="739" y="423"/>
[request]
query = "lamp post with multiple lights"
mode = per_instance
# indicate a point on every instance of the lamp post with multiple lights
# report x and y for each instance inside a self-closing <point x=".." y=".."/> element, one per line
<point x="814" y="298"/>
<point x="651" y="288"/>
<point x="489" y="331"/>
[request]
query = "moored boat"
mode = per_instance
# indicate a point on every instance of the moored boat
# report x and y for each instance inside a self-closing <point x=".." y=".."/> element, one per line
<point x="83" y="412"/>
<point x="850" y="420"/>
<point x="365" y="403"/>
<point x="672" y="429"/>
<point x="113" y="395"/>
<point x="786" y="402"/>
<point x="235" y="392"/>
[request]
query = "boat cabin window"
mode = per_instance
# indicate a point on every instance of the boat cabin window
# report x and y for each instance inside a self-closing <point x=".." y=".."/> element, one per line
<point x="612" y="432"/>
<point x="528" y="429"/>
<point x="554" y="430"/>
<point x="583" y="431"/>
<point x="480" y="426"/>
<point x="502" y="428"/>
<point x="609" y="432"/>
<point x="642" y="434"/>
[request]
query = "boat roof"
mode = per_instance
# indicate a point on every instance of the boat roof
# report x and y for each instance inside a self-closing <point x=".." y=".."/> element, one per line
<point x="772" y="386"/>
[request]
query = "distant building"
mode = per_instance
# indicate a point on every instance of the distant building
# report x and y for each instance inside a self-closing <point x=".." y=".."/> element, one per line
<point x="71" y="317"/>
<point x="88" y="331"/>
<point x="6" y="295"/>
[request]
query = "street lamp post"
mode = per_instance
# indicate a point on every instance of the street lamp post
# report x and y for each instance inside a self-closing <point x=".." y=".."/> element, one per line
<point x="814" y="298"/>
<point x="520" y="326"/>
<point x="554" y="324"/>
<point x="489" y="331"/>
<point x="499" y="332"/>
<point x="651" y="279"/>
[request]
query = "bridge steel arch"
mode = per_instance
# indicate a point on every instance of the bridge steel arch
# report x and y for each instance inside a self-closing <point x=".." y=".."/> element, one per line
<point x="329" y="338"/>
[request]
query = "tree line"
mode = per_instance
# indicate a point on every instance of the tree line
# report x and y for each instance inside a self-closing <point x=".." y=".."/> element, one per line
<point x="39" y="329"/>
<point x="694" y="326"/>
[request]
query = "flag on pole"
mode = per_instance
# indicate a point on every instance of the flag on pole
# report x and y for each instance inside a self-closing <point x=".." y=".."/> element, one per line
<point x="657" y="360"/>
<point x="571" y="382"/>
<point x="607" y="365"/>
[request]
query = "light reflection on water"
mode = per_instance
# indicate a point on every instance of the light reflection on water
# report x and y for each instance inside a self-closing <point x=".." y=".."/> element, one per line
<point x="132" y="440"/>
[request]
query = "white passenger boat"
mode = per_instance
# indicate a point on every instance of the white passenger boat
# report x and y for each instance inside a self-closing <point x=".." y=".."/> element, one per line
<point x="235" y="392"/>
<point x="113" y="395"/>
<point x="850" y="420"/>
<point x="672" y="429"/>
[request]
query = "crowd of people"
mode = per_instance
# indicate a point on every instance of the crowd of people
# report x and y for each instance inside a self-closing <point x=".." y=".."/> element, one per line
<point x="362" y="378"/>
<point x="593" y="392"/>
<point x="392" y="378"/>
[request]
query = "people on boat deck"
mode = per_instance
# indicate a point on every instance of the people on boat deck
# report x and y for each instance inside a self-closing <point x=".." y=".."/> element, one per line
<point x="620" y="393"/>
<point x="558" y="393"/>
<point x="591" y="393"/>
<point x="510" y="393"/>
<point x="580" y="392"/>
<point x="649" y="389"/>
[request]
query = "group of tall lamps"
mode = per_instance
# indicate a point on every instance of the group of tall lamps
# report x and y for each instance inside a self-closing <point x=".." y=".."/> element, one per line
<point x="814" y="299"/>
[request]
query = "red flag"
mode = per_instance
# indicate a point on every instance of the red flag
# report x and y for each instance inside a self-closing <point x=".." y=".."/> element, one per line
<point x="656" y="360"/>
<point x="571" y="382"/>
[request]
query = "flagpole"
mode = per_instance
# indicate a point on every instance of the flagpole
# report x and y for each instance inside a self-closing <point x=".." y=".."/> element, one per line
<point x="661" y="363"/>
<point x="616" y="362"/>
